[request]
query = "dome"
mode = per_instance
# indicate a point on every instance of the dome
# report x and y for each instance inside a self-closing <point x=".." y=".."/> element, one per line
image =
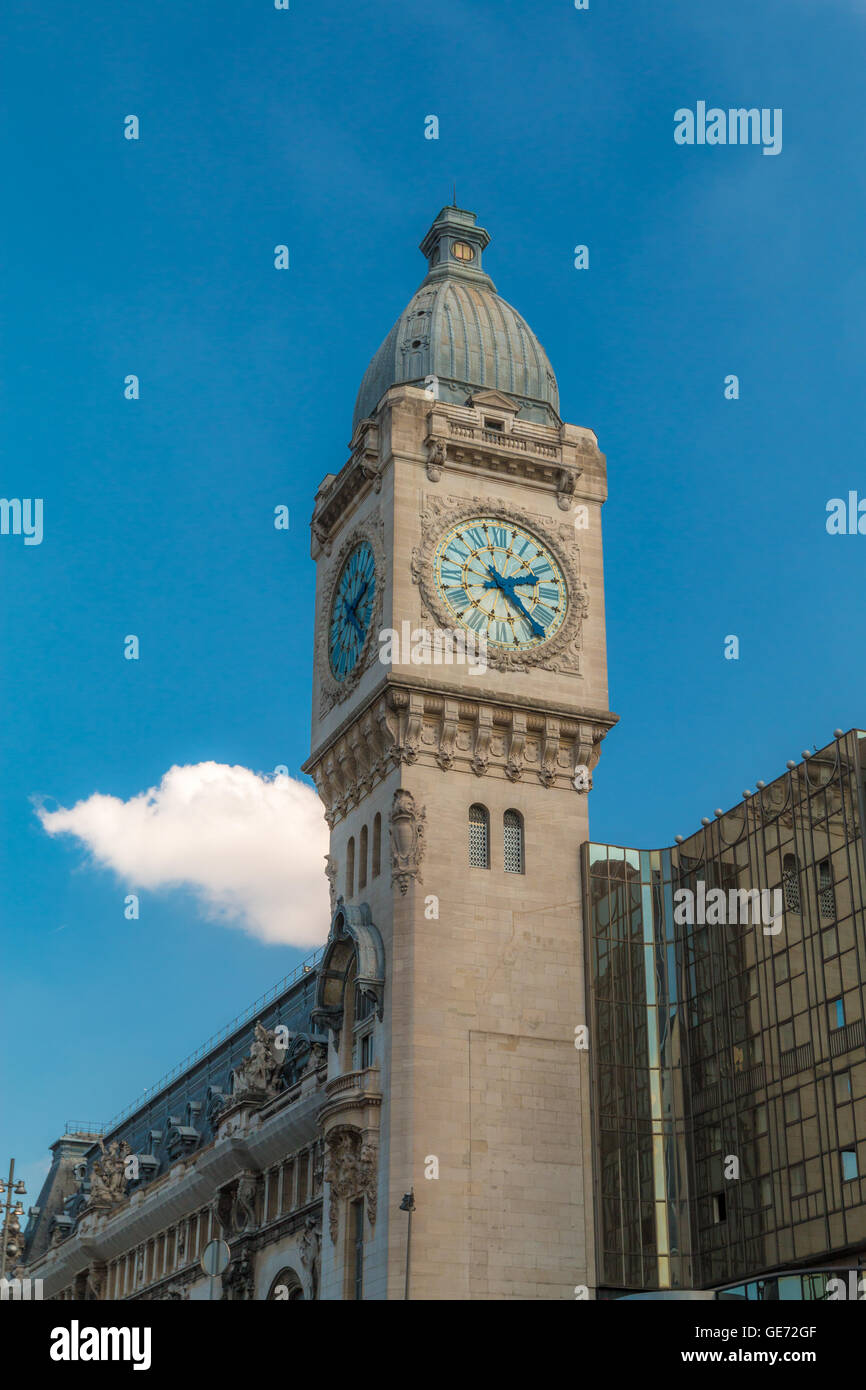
<point x="456" y="328"/>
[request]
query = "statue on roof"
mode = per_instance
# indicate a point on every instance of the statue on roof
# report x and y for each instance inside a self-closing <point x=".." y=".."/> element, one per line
<point x="259" y="1072"/>
<point x="108" y="1175"/>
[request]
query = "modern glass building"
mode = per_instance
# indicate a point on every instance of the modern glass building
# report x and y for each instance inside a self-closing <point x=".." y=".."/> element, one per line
<point x="727" y="979"/>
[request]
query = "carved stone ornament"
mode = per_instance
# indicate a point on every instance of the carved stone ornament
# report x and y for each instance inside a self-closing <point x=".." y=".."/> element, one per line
<point x="562" y="651"/>
<point x="331" y="869"/>
<point x="310" y="1251"/>
<point x="239" y="1280"/>
<point x="108" y="1176"/>
<point x="258" y="1074"/>
<point x="94" y="1288"/>
<point x="410" y="727"/>
<point x="566" y="483"/>
<point x="407" y="839"/>
<point x="351" y="1171"/>
<point x="333" y="691"/>
<point x="436" y="455"/>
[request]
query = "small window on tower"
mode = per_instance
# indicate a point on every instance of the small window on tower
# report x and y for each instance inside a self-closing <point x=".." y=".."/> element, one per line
<point x="377" y="844"/>
<point x="479" y="837"/>
<point x="791" y="883"/>
<point x="826" y="896"/>
<point x="362" y="860"/>
<point x="513" y="842"/>
<point x="350" y="867"/>
<point x="462" y="251"/>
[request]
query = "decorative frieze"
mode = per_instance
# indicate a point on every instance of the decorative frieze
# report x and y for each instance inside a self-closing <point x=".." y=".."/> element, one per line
<point x="405" y="726"/>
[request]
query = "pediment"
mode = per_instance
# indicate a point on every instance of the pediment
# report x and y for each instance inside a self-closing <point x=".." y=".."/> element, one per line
<point x="494" y="400"/>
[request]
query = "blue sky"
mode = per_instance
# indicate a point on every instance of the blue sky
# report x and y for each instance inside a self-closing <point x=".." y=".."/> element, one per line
<point x="155" y="257"/>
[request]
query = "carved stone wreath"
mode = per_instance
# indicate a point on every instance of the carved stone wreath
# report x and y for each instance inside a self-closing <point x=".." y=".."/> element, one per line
<point x="333" y="691"/>
<point x="562" y="651"/>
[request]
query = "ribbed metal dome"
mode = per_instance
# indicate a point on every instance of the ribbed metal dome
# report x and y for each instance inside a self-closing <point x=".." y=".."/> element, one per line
<point x="457" y="329"/>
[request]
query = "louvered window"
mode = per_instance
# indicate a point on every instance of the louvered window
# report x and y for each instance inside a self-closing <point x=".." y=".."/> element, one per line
<point x="513" y="842"/>
<point x="791" y="883"/>
<point x="826" y="896"/>
<point x="479" y="837"/>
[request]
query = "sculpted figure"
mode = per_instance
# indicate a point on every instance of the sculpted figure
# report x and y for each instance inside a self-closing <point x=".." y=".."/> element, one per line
<point x="245" y="1202"/>
<point x="259" y="1071"/>
<point x="108" y="1175"/>
<point x="310" y="1248"/>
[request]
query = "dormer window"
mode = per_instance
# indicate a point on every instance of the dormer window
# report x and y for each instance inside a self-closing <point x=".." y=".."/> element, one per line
<point x="462" y="251"/>
<point x="494" y="424"/>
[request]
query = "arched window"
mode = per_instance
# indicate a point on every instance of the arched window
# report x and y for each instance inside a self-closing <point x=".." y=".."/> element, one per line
<point x="377" y="844"/>
<point x="791" y="883"/>
<point x="826" y="896"/>
<point x="479" y="837"/>
<point x="350" y="867"/>
<point x="362" y="866"/>
<point x="286" y="1287"/>
<point x="512" y="834"/>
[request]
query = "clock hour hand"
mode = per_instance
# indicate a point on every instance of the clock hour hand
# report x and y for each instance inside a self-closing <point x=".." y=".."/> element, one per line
<point x="494" y="584"/>
<point x="358" y="599"/>
<point x="350" y="614"/>
<point x="507" y="587"/>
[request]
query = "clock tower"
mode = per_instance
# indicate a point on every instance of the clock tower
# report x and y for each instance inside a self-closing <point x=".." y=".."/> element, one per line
<point x="459" y="704"/>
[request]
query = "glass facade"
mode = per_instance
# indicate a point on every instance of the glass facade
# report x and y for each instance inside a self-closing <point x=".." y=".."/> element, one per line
<point x="726" y="980"/>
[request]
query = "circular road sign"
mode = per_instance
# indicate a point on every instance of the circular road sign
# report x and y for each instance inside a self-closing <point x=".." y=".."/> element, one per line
<point x="215" y="1257"/>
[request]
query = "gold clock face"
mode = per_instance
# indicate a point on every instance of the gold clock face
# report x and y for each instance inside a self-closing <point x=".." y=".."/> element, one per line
<point x="498" y="579"/>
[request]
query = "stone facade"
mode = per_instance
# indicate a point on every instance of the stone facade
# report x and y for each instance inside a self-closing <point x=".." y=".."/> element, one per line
<point x="431" y="1048"/>
<point x="485" y="985"/>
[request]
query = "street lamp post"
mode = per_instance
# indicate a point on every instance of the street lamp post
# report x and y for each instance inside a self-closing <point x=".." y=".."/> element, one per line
<point x="408" y="1204"/>
<point x="12" y="1189"/>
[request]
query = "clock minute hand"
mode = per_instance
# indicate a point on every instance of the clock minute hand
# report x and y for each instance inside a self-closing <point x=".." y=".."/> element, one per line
<point x="507" y="587"/>
<point x="358" y="599"/>
<point x="352" y="619"/>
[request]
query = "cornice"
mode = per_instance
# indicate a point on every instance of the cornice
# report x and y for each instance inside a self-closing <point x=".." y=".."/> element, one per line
<point x="279" y="1127"/>
<point x="564" y="460"/>
<point x="359" y="473"/>
<point x="406" y="725"/>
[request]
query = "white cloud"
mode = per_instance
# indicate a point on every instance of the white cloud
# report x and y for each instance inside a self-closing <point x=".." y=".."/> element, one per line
<point x="250" y="847"/>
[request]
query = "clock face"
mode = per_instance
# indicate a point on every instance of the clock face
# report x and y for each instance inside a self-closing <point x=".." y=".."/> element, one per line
<point x="498" y="579"/>
<point x="351" y="610"/>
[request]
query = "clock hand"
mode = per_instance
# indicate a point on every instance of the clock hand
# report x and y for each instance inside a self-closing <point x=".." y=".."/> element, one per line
<point x="360" y="596"/>
<point x="494" y="585"/>
<point x="507" y="587"/>
<point x="353" y="620"/>
<point x="515" y="599"/>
